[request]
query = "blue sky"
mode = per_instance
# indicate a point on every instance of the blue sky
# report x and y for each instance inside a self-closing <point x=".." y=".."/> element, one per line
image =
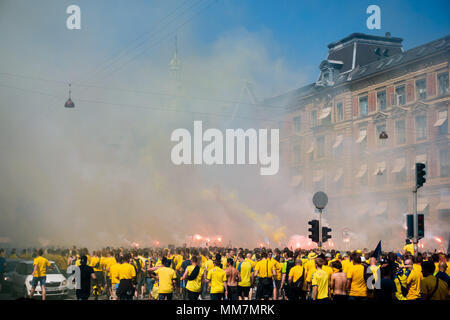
<point x="300" y="30"/>
<point x="295" y="31"/>
<point x="303" y="29"/>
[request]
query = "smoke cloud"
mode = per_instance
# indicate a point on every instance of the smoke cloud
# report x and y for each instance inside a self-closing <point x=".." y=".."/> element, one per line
<point x="100" y="174"/>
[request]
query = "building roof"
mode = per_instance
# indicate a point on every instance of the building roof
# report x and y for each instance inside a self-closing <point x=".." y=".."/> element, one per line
<point x="365" y="70"/>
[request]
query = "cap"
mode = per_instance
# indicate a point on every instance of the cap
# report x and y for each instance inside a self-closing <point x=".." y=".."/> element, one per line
<point x="328" y="255"/>
<point x="312" y="255"/>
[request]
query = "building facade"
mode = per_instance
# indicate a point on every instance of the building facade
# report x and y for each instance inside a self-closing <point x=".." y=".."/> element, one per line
<point x="330" y="130"/>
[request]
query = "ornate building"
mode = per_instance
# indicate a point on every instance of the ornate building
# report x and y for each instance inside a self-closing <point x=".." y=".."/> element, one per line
<point x="330" y="134"/>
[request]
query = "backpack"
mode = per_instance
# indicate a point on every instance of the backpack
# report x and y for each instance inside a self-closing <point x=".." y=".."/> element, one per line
<point x="299" y="282"/>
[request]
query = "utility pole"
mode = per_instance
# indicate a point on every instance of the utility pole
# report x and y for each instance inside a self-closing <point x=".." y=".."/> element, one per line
<point x="320" y="229"/>
<point x="415" y="237"/>
<point x="320" y="200"/>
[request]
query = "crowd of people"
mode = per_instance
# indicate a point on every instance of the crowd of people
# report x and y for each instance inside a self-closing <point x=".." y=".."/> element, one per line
<point x="242" y="274"/>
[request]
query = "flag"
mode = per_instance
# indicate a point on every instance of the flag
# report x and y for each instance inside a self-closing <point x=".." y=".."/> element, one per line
<point x="376" y="253"/>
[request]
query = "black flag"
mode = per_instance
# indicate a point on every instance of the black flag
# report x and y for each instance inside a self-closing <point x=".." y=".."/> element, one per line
<point x="376" y="253"/>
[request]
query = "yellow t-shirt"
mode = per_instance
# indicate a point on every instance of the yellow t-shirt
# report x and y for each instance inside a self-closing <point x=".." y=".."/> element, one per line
<point x="413" y="285"/>
<point x="108" y="263"/>
<point x="418" y="268"/>
<point x="310" y="269"/>
<point x="428" y="284"/>
<point x="320" y="279"/>
<point x="178" y="260"/>
<point x="295" y="272"/>
<point x="358" y="286"/>
<point x="224" y="262"/>
<point x="261" y="267"/>
<point x="126" y="271"/>
<point x="94" y="262"/>
<point x="42" y="265"/>
<point x="217" y="277"/>
<point x="346" y="264"/>
<point x="409" y="248"/>
<point x="209" y="264"/>
<point x="328" y="270"/>
<point x="254" y="263"/>
<point x="78" y="262"/>
<point x="196" y="284"/>
<point x="114" y="273"/>
<point x="166" y="277"/>
<point x="278" y="268"/>
<point x="246" y="269"/>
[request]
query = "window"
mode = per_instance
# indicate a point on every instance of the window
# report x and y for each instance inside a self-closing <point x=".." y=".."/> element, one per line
<point x="314" y="118"/>
<point x="362" y="140"/>
<point x="326" y="120"/>
<point x="442" y="83"/>
<point x="400" y="131"/>
<point x="444" y="163"/>
<point x="381" y="179"/>
<point x="380" y="129"/>
<point x="320" y="147"/>
<point x="421" y="89"/>
<point x="363" y="106"/>
<point x="340" y="111"/>
<point x="297" y="123"/>
<point x="401" y="95"/>
<point x="421" y="127"/>
<point x="297" y="153"/>
<point x="381" y="100"/>
<point x="442" y="123"/>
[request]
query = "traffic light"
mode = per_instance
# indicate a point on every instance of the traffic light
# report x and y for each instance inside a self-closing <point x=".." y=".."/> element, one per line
<point x="420" y="226"/>
<point x="409" y="226"/>
<point x="314" y="236"/>
<point x="326" y="234"/>
<point x="420" y="174"/>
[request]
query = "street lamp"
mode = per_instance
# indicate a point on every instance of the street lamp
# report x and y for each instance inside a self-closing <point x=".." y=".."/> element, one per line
<point x="69" y="103"/>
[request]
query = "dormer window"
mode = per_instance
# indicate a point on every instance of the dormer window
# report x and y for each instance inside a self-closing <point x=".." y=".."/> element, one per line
<point x="329" y="71"/>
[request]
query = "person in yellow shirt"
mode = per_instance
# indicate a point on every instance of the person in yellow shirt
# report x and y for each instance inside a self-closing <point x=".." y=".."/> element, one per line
<point x="412" y="281"/>
<point x="356" y="281"/>
<point x="218" y="280"/>
<point x="431" y="287"/>
<point x="417" y="266"/>
<point x="96" y="264"/>
<point x="409" y="247"/>
<point x="40" y="265"/>
<point x="278" y="267"/>
<point x="346" y="263"/>
<point x="114" y="276"/>
<point x="296" y="277"/>
<point x="249" y="259"/>
<point x="194" y="275"/>
<point x="246" y="270"/>
<point x="310" y="268"/>
<point x="166" y="280"/>
<point x="108" y="261"/>
<point x="127" y="275"/>
<point x="265" y="270"/>
<point x="320" y="282"/>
